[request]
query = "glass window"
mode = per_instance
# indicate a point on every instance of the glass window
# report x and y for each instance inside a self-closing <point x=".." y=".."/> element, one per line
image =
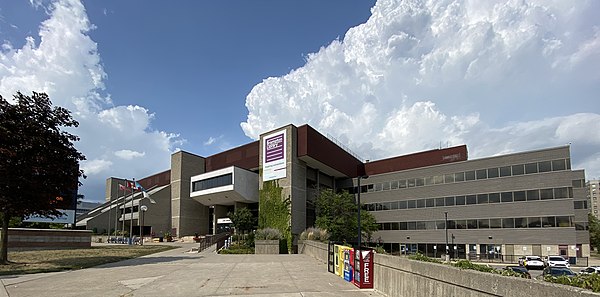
<point x="395" y="226"/>
<point x="568" y="164"/>
<point x="438" y="202"/>
<point x="403" y="226"/>
<point x="505" y="171"/>
<point x="483" y="223"/>
<point x="519" y="196"/>
<point x="548" y="222"/>
<point x="581" y="226"/>
<point x="394" y="185"/>
<point x="472" y="224"/>
<point x="546" y="194"/>
<point x="378" y="206"/>
<point x="470" y="175"/>
<point x="441" y="225"/>
<point x="213" y="182"/>
<point x="420" y="182"/>
<point x="518" y="169"/>
<point x="412" y="225"/>
<point x="481" y="174"/>
<point x="430" y="225"/>
<point x="520" y="222"/>
<point x="449" y="178"/>
<point x="482" y="198"/>
<point x="421" y="225"/>
<point x="545" y="166"/>
<point x="438" y="179"/>
<point x="401" y="205"/>
<point x="460" y="176"/>
<point x="533" y="195"/>
<point x="386" y="206"/>
<point x="508" y="223"/>
<point x="561" y="193"/>
<point x="571" y="193"/>
<point x="378" y="187"/>
<point x="558" y="165"/>
<point x="531" y="168"/>
<point x="461" y="200"/>
<point x="370" y="188"/>
<point x="495" y="198"/>
<point x="461" y="224"/>
<point x="386" y="226"/>
<point x="471" y="199"/>
<point x="428" y="203"/>
<point x="401" y="185"/>
<point x="429" y="181"/>
<point x="394" y="205"/>
<point x="411" y="183"/>
<point x="386" y="187"/>
<point x="493" y="172"/>
<point x="580" y="204"/>
<point x="577" y="183"/>
<point x="449" y="201"/>
<point x="563" y="221"/>
<point x="420" y="204"/>
<point x="506" y="197"/>
<point x="534" y="222"/>
<point x="495" y="223"/>
<point x="451" y="224"/>
<point x="411" y="204"/>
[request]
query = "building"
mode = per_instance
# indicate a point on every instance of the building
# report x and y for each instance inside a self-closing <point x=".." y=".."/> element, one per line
<point x="593" y="186"/>
<point x="85" y="206"/>
<point x="516" y="204"/>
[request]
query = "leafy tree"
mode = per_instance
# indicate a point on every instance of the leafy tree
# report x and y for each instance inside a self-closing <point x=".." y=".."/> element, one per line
<point x="39" y="166"/>
<point x="594" y="226"/>
<point x="242" y="219"/>
<point x="337" y="212"/>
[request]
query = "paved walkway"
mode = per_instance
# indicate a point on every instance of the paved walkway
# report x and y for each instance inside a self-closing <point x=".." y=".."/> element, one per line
<point x="178" y="273"/>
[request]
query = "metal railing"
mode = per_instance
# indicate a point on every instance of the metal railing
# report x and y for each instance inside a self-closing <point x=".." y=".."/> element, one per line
<point x="209" y="240"/>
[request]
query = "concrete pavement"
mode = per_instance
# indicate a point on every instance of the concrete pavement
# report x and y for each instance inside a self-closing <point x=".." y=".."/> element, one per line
<point x="178" y="273"/>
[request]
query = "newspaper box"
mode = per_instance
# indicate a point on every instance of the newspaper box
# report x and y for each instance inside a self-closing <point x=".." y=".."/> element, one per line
<point x="339" y="259"/>
<point x="348" y="265"/>
<point x="363" y="269"/>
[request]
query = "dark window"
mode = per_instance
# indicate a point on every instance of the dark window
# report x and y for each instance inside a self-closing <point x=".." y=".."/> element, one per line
<point x="370" y="188"/>
<point x="558" y="165"/>
<point x="449" y="202"/>
<point x="534" y="222"/>
<point x="471" y="199"/>
<point x="470" y="175"/>
<point x="394" y="185"/>
<point x="518" y="169"/>
<point x="421" y="225"/>
<point x="449" y="178"/>
<point x="505" y="171"/>
<point x="401" y="205"/>
<point x="441" y="225"/>
<point x="546" y="194"/>
<point x="568" y="164"/>
<point x="563" y="221"/>
<point x="577" y="183"/>
<point x="378" y="187"/>
<point x="394" y="205"/>
<point x="580" y="204"/>
<point x="412" y="204"/>
<point x="581" y="226"/>
<point x="371" y="207"/>
<point x="395" y="226"/>
<point x="520" y="222"/>
<point x="519" y="196"/>
<point x="412" y="225"/>
<point x="492" y="173"/>
<point x="508" y="223"/>
<point x="548" y="222"/>
<point x="386" y="186"/>
<point x="428" y="203"/>
<point x="401" y="185"/>
<point x="570" y="192"/>
<point x="531" y="168"/>
<point x="461" y="200"/>
<point x="495" y="198"/>
<point x="533" y="195"/>
<point x="561" y="193"/>
<point x="429" y="181"/>
<point x="545" y="166"/>
<point x="420" y="204"/>
<point x="386" y="226"/>
<point x="506" y="197"/>
<point x="430" y="225"/>
<point x="385" y="206"/>
<point x="482" y="198"/>
<point x="481" y="174"/>
<point x="438" y="202"/>
<point x="472" y="224"/>
<point x="460" y="176"/>
<point x="420" y="182"/>
<point x="451" y="224"/>
<point x="213" y="182"/>
<point x="411" y="183"/>
<point x="483" y="223"/>
<point x="495" y="223"/>
<point x="461" y="224"/>
<point x="403" y="226"/>
<point x="378" y="206"/>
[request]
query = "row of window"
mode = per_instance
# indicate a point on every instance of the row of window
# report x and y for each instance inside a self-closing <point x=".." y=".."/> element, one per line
<point x="505" y="171"/>
<point x="213" y="182"/>
<point x="494" y="223"/>
<point x="503" y="197"/>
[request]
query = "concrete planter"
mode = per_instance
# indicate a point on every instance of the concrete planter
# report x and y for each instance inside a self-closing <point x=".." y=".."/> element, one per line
<point x="266" y="247"/>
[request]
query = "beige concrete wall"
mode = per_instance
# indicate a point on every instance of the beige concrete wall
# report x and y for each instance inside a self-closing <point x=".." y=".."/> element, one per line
<point x="270" y="247"/>
<point x="24" y="238"/>
<point x="187" y="215"/>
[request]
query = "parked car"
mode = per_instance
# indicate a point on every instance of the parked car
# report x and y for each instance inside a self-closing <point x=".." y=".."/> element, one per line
<point x="558" y="271"/>
<point x="590" y="270"/>
<point x="518" y="269"/>
<point x="553" y="261"/>
<point x="531" y="262"/>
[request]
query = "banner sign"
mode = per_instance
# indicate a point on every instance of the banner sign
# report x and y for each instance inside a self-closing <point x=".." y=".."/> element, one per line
<point x="274" y="158"/>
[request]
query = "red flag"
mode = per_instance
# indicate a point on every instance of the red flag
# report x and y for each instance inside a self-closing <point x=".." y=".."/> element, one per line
<point x="131" y="185"/>
<point x="121" y="187"/>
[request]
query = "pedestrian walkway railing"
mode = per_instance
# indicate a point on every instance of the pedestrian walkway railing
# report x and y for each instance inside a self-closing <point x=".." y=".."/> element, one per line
<point x="209" y="240"/>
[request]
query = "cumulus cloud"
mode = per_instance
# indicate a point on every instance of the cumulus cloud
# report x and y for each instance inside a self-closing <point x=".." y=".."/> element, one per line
<point x="63" y="61"/>
<point x="499" y="76"/>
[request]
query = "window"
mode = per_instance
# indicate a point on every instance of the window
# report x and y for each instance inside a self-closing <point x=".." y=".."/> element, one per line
<point x="472" y="224"/>
<point x="531" y="168"/>
<point x="430" y="225"/>
<point x="449" y="201"/>
<point x="394" y="185"/>
<point x="412" y="225"/>
<point x="518" y="169"/>
<point x="483" y="223"/>
<point x="578" y="183"/>
<point x="506" y="197"/>
<point x="441" y="225"/>
<point x="580" y="204"/>
<point x="401" y="205"/>
<point x="378" y="206"/>
<point x="430" y="202"/>
<point x="563" y="221"/>
<point x="438" y="179"/>
<point x="451" y="224"/>
<point x="505" y="171"/>
<point x="438" y="202"/>
<point x="470" y="175"/>
<point x="412" y="204"/>
<point x="546" y="194"/>
<point x="421" y="225"/>
<point x="534" y="222"/>
<point x="378" y="187"/>
<point x="449" y="178"/>
<point x="429" y="181"/>
<point x="495" y="198"/>
<point x="508" y="223"/>
<point x="495" y="223"/>
<point x="411" y="183"/>
<point x="558" y="165"/>
<point x="493" y="173"/>
<point x="461" y="224"/>
<point x="403" y="226"/>
<point x="471" y="199"/>
<point x="385" y="206"/>
<point x="545" y="166"/>
<point x="401" y="185"/>
<point x="394" y="205"/>
<point x="561" y="193"/>
<point x="370" y="188"/>
<point x="461" y="200"/>
<point x="370" y="207"/>
<point x="421" y="203"/>
<point x="533" y="195"/>
<point x="481" y="174"/>
<point x="520" y="222"/>
<point x="568" y="164"/>
<point x="519" y="196"/>
<point x="420" y="182"/>
<point x="482" y="198"/>
<point x="213" y="182"/>
<point x="386" y="186"/>
<point x="386" y="226"/>
<point x="548" y="222"/>
<point x="460" y="176"/>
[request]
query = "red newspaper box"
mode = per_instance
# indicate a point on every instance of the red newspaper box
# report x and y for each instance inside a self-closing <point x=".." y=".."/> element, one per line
<point x="363" y="269"/>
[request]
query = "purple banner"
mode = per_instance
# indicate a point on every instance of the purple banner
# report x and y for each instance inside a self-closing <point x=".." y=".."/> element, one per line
<point x="274" y="149"/>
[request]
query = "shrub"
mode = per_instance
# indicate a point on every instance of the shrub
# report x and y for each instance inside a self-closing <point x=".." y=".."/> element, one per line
<point x="237" y="249"/>
<point x="421" y="257"/>
<point x="379" y="249"/>
<point x="466" y="264"/>
<point x="268" y="234"/>
<point x="586" y="281"/>
<point x="314" y="234"/>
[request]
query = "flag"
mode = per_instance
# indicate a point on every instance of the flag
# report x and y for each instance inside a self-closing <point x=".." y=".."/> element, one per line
<point x="121" y="187"/>
<point x="131" y="185"/>
<point x="139" y="187"/>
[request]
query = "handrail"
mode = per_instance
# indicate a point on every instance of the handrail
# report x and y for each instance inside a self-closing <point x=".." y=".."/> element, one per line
<point x="209" y="240"/>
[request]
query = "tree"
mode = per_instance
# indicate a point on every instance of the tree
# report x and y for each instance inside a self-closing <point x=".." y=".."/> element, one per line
<point x="39" y="166"/>
<point x="242" y="219"/>
<point x="594" y="228"/>
<point x="338" y="213"/>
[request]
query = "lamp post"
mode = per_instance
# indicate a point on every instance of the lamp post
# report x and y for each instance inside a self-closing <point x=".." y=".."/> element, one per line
<point x="143" y="209"/>
<point x="446" y="227"/>
<point x="359" y="254"/>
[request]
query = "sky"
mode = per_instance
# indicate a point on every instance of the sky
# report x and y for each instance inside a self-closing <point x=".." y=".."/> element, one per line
<point x="385" y="77"/>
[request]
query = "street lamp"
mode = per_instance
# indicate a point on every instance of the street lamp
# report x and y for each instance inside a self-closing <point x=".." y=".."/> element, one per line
<point x="146" y="196"/>
<point x="143" y="208"/>
<point x="446" y="227"/>
<point x="358" y="204"/>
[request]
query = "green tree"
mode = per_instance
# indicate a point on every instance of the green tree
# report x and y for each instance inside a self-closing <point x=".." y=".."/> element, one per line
<point x="338" y="213"/>
<point x="39" y="166"/>
<point x="242" y="220"/>
<point x="594" y="226"/>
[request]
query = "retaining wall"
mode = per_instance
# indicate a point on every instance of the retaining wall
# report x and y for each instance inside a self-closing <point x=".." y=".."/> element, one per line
<point x="24" y="238"/>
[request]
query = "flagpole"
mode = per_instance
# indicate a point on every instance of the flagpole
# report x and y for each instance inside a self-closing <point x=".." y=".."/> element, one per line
<point x="109" y="218"/>
<point x="124" y="201"/>
<point x="131" y="215"/>
<point x="117" y="213"/>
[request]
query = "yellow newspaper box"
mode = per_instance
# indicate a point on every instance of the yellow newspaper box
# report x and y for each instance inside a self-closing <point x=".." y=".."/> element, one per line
<point x="339" y="260"/>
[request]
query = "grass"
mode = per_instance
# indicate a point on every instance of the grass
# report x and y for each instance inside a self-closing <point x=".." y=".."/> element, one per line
<point x="25" y="262"/>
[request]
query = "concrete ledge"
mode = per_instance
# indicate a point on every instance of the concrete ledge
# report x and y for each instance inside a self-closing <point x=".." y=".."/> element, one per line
<point x="23" y="238"/>
<point x="266" y="247"/>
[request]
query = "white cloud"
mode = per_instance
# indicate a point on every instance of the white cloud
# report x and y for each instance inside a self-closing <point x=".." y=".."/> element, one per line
<point x="64" y="62"/>
<point x="210" y="141"/>
<point x="499" y="76"/>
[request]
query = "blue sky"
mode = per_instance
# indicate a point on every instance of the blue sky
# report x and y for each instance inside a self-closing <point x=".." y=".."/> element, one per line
<point x="386" y="77"/>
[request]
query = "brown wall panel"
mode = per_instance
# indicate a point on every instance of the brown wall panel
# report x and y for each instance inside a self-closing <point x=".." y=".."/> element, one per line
<point x="416" y="160"/>
<point x="245" y="156"/>
<point x="159" y="179"/>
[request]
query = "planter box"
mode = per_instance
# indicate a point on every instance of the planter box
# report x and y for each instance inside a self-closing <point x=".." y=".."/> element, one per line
<point x="266" y="247"/>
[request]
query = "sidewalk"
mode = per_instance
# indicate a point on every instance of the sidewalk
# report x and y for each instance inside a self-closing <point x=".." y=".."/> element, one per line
<point x="178" y="273"/>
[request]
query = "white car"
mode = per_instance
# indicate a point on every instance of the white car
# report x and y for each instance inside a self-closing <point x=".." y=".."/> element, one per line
<point x="556" y="261"/>
<point x="532" y="262"/>
<point x="590" y="270"/>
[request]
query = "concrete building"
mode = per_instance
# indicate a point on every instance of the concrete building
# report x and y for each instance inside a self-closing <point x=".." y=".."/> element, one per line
<point x="517" y="204"/>
<point x="593" y="187"/>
